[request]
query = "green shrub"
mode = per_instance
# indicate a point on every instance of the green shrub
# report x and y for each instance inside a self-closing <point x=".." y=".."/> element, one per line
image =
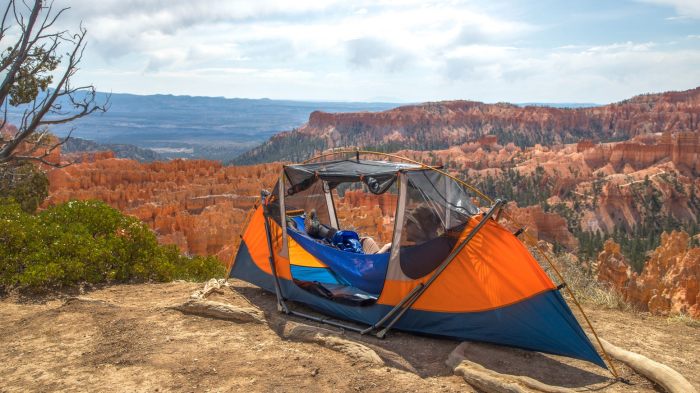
<point x="87" y="241"/>
<point x="25" y="183"/>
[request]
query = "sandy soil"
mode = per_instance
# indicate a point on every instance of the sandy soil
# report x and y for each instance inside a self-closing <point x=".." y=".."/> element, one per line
<point x="126" y="338"/>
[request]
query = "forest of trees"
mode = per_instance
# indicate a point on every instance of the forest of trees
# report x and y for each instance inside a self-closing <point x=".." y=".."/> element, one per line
<point x="635" y="243"/>
<point x="292" y="147"/>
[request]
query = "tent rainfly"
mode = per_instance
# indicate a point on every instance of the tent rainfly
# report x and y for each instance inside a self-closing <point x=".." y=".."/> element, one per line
<point x="452" y="269"/>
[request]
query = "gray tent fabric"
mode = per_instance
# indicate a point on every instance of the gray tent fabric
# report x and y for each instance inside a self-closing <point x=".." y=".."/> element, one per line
<point x="378" y="175"/>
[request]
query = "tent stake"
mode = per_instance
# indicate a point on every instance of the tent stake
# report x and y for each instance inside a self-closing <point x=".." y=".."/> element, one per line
<point x="413" y="296"/>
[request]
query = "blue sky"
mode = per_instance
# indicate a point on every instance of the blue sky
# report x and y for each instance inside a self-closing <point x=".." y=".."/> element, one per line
<point x="406" y="51"/>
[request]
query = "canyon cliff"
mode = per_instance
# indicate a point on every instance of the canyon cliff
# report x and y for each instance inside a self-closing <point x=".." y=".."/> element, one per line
<point x="438" y="125"/>
<point x="669" y="283"/>
<point x="600" y="186"/>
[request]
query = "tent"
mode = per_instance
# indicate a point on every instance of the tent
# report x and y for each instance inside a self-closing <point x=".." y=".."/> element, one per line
<point x="452" y="269"/>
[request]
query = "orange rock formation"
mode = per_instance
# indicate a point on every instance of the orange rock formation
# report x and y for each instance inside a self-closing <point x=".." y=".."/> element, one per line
<point x="682" y="149"/>
<point x="550" y="227"/>
<point x="669" y="283"/>
<point x="368" y="214"/>
<point x="613" y="268"/>
<point x="622" y="170"/>
<point x="198" y="205"/>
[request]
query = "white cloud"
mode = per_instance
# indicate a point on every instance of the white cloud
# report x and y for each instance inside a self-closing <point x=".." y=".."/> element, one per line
<point x="372" y="52"/>
<point x="684" y="8"/>
<point x="131" y="25"/>
<point x="413" y="49"/>
<point x="598" y="73"/>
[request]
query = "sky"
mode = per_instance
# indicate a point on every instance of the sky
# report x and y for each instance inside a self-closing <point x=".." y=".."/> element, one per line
<point x="595" y="51"/>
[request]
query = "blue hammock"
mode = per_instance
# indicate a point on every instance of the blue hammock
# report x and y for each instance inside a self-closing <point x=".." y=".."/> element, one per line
<point x="364" y="271"/>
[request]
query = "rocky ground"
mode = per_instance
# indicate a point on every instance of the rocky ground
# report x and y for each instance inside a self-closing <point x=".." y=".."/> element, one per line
<point x="127" y="338"/>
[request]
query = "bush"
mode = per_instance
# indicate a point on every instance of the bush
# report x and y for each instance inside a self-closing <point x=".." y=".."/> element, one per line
<point x="87" y="241"/>
<point x="24" y="183"/>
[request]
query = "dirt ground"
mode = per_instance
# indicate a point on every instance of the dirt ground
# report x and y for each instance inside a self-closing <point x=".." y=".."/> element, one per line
<point x="126" y="338"/>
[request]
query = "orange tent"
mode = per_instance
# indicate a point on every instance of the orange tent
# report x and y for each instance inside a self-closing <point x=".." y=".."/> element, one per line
<point x="452" y="270"/>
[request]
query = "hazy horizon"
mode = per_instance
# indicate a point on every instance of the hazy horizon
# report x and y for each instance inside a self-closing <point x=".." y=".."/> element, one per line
<point x="382" y="100"/>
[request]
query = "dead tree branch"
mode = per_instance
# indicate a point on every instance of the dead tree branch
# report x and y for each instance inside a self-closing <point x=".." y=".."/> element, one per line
<point x="29" y="85"/>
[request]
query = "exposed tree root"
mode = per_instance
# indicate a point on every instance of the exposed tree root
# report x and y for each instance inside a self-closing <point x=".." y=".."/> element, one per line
<point x="329" y="339"/>
<point x="491" y="381"/>
<point x="207" y="308"/>
<point x="198" y="305"/>
<point x="661" y="374"/>
<point x="392" y="359"/>
<point x="211" y="286"/>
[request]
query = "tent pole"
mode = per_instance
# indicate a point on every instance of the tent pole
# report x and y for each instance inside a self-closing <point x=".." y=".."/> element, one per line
<point x="281" y="306"/>
<point x="394" y="310"/>
<point x="413" y="296"/>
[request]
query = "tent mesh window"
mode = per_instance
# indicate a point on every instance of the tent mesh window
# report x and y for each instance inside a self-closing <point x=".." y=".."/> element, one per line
<point x="304" y="201"/>
<point x="368" y="214"/>
<point x="436" y="212"/>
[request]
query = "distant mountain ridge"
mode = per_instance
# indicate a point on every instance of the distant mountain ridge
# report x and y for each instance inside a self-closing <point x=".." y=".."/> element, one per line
<point x="438" y="125"/>
<point x="195" y="127"/>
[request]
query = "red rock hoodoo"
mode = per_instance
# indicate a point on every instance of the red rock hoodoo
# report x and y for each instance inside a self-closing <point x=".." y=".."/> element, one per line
<point x="669" y="283"/>
<point x="550" y="227"/>
<point x="47" y="148"/>
<point x="198" y="205"/>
